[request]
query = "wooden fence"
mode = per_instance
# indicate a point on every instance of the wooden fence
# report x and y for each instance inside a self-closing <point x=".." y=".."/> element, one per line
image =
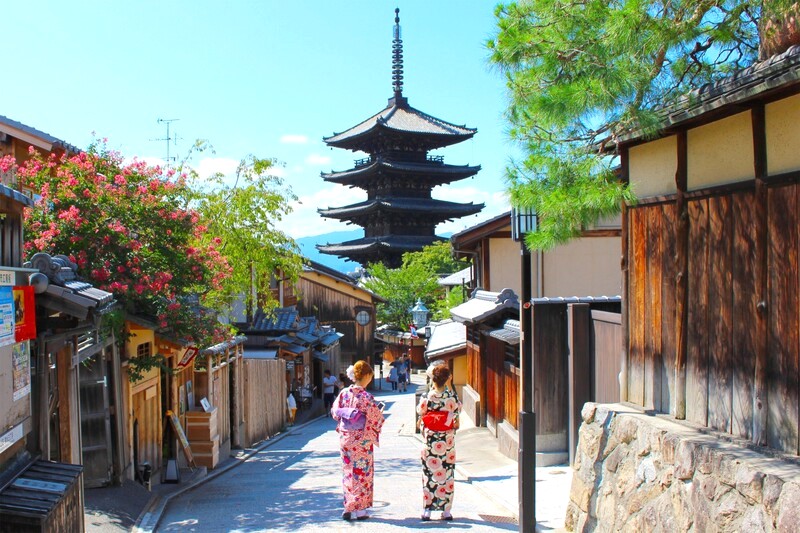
<point x="265" y="394"/>
<point x="739" y="320"/>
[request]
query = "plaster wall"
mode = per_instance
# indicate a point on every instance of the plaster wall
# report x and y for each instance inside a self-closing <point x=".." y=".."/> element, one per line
<point x="504" y="271"/>
<point x="720" y="152"/>
<point x="783" y="136"/>
<point x="652" y="166"/>
<point x="589" y="266"/>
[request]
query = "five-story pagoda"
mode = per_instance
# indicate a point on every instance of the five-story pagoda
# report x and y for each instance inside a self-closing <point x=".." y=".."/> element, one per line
<point x="399" y="214"/>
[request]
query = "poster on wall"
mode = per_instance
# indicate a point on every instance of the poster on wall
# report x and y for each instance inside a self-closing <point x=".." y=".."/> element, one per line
<point x="21" y="370"/>
<point x="188" y="356"/>
<point x="6" y="315"/>
<point x="24" y="313"/>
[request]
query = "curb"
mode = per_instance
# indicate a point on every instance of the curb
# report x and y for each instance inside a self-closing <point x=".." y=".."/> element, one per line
<point x="151" y="515"/>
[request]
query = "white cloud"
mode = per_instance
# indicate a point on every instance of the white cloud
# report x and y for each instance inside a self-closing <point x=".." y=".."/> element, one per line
<point x="293" y="139"/>
<point x="214" y="165"/>
<point x="318" y="160"/>
<point x="305" y="220"/>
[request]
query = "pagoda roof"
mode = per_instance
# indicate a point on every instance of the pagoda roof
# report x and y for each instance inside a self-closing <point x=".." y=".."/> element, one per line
<point x="433" y="171"/>
<point x="433" y="208"/>
<point x="400" y="118"/>
<point x="384" y="243"/>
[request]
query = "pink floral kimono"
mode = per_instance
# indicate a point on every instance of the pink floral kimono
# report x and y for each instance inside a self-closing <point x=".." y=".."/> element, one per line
<point x="356" y="448"/>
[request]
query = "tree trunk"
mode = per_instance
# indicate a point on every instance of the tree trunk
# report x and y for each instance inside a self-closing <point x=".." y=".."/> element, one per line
<point x="778" y="30"/>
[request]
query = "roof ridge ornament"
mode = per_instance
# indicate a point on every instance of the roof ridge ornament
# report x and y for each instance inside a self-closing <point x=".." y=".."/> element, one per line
<point x="397" y="63"/>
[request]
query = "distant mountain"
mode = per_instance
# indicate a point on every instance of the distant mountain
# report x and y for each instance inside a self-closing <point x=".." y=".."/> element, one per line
<point x="308" y="248"/>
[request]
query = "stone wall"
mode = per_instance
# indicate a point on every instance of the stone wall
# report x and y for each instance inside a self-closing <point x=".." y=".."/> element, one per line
<point x="635" y="472"/>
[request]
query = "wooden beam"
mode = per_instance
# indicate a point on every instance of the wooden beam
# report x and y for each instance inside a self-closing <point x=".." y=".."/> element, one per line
<point x="580" y="370"/>
<point x="624" y="267"/>
<point x="761" y="313"/>
<point x="681" y="280"/>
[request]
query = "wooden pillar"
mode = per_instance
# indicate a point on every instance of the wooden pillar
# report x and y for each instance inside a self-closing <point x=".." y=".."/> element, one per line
<point x="580" y="369"/>
<point x="681" y="280"/>
<point x="624" y="267"/>
<point x="760" y="271"/>
<point x="63" y="373"/>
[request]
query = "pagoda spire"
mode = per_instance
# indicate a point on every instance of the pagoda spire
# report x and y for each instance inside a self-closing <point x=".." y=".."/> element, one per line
<point x="397" y="59"/>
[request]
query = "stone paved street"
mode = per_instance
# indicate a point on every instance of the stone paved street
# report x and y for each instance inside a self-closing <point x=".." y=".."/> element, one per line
<point x="294" y="485"/>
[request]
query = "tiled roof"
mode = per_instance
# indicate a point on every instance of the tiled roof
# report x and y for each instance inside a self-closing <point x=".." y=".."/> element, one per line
<point x="430" y="172"/>
<point x="446" y="337"/>
<point x="457" y="278"/>
<point x="439" y="209"/>
<point x="777" y="72"/>
<point x="284" y="319"/>
<point x="371" y="244"/>
<point x="221" y="347"/>
<point x="64" y="291"/>
<point x="403" y="119"/>
<point x="320" y="356"/>
<point x="483" y="305"/>
<point x="15" y="195"/>
<point x="330" y="338"/>
<point x="509" y="333"/>
<point x="294" y="348"/>
<point x="5" y="121"/>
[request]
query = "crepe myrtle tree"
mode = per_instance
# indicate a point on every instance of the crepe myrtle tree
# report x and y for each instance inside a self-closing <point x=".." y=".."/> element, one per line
<point x="128" y="228"/>
<point x="580" y="73"/>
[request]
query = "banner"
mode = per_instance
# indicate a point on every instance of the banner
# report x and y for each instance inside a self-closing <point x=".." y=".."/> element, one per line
<point x="24" y="314"/>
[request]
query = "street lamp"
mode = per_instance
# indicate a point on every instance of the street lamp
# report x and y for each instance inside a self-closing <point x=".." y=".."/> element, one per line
<point x="523" y="220"/>
<point x="419" y="314"/>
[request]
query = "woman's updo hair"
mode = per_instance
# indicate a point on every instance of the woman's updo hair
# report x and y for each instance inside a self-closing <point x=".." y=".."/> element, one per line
<point x="440" y="374"/>
<point x="361" y="370"/>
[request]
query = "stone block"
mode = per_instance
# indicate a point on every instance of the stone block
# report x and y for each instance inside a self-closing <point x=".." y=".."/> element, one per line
<point x="572" y="517"/>
<point x="591" y="437"/>
<point x="729" y="511"/>
<point x="685" y="460"/>
<point x="619" y="454"/>
<point x="646" y="471"/>
<point x="789" y="508"/>
<point x="626" y="429"/>
<point x="588" y="411"/>
<point x="580" y="493"/>
<point x="773" y="486"/>
<point x="750" y="483"/>
<point x="755" y="520"/>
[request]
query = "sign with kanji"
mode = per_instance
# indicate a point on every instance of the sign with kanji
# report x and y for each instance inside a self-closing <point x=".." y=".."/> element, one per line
<point x="188" y="357"/>
<point x="24" y="314"/>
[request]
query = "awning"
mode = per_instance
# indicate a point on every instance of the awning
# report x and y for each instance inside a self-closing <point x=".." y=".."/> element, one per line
<point x="296" y="349"/>
<point x="320" y="356"/>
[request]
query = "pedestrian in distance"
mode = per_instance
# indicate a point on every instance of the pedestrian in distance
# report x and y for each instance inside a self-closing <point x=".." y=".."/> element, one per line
<point x="328" y="394"/>
<point x="356" y="407"/>
<point x="291" y="403"/>
<point x="439" y="409"/>
<point x="393" y="376"/>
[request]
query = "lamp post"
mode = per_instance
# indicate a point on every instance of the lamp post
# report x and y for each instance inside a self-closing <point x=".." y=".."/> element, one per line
<point x="419" y="315"/>
<point x="523" y="221"/>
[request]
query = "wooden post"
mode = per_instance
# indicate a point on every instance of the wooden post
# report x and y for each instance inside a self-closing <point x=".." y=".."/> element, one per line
<point x="624" y="267"/>
<point x="580" y="369"/>
<point x="681" y="280"/>
<point x="761" y="312"/>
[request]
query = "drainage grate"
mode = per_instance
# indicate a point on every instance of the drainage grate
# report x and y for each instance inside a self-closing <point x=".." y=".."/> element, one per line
<point x="494" y="519"/>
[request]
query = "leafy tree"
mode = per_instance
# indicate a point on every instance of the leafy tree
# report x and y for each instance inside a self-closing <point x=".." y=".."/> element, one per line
<point x="436" y="258"/>
<point x="241" y="219"/>
<point x="416" y="279"/>
<point x="581" y="73"/>
<point x="127" y="227"/>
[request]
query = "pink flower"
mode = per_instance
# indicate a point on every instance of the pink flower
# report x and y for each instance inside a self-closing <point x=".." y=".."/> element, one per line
<point x="433" y="463"/>
<point x="440" y="476"/>
<point x="438" y="448"/>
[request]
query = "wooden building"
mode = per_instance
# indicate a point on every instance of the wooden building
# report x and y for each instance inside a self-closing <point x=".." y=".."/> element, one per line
<point x="711" y="316"/>
<point x="399" y="215"/>
<point x="336" y="300"/>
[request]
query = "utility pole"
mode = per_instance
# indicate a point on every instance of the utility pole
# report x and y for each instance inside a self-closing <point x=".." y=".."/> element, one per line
<point x="168" y="138"/>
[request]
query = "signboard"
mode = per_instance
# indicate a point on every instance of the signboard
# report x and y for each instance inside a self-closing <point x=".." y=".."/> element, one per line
<point x="7" y="277"/>
<point x="24" y="314"/>
<point x="6" y="315"/>
<point x="176" y="426"/>
<point x="188" y="357"/>
<point x="21" y="370"/>
<point x="10" y="437"/>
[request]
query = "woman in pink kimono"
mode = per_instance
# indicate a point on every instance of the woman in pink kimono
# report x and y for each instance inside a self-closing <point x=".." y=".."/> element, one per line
<point x="439" y="453"/>
<point x="356" y="444"/>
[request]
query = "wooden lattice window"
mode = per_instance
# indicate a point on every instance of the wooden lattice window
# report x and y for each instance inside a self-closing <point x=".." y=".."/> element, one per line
<point x="144" y="350"/>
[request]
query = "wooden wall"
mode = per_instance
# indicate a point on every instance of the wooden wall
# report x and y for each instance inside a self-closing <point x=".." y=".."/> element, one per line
<point x="265" y="394"/>
<point x="723" y="339"/>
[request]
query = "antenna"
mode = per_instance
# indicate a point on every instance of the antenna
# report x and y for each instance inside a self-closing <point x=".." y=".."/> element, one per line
<point x="168" y="138"/>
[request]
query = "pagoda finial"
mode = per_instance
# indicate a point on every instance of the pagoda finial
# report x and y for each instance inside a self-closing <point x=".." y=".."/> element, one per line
<point x="397" y="58"/>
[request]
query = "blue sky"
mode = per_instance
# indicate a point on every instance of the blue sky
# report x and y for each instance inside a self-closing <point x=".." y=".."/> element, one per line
<point x="264" y="77"/>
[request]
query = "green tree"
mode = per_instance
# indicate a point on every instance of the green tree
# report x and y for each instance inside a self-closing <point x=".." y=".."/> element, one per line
<point x="436" y="258"/>
<point x="581" y="73"/>
<point x="241" y="219"/>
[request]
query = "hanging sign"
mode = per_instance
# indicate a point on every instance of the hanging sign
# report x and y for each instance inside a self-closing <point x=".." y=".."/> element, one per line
<point x="24" y="314"/>
<point x="188" y="357"/>
<point x="21" y="370"/>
